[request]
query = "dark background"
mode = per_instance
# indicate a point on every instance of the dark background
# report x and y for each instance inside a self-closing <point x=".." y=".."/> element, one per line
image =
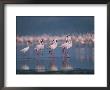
<point x="53" y="25"/>
<point x="2" y="49"/>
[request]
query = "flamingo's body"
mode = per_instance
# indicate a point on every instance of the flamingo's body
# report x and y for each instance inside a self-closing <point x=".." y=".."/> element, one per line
<point x="53" y="45"/>
<point x="40" y="46"/>
<point x="24" y="50"/>
<point x="67" y="45"/>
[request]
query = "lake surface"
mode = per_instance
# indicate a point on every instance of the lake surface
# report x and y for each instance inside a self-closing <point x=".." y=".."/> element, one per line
<point x="80" y="57"/>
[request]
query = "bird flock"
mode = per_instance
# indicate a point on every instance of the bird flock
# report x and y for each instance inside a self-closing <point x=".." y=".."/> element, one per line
<point x="52" y="43"/>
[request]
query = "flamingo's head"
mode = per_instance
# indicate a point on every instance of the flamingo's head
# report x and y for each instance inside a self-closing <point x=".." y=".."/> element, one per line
<point x="66" y="35"/>
<point x="66" y="41"/>
<point x="55" y="40"/>
<point x="29" y="42"/>
<point x="42" y="40"/>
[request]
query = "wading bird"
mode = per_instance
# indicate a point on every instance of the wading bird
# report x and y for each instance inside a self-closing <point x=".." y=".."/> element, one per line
<point x="52" y="46"/>
<point x="40" y="67"/>
<point x="39" y="46"/>
<point x="65" y="46"/>
<point x="24" y="50"/>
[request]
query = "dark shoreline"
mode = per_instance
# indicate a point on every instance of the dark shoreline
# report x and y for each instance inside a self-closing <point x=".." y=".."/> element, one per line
<point x="76" y="71"/>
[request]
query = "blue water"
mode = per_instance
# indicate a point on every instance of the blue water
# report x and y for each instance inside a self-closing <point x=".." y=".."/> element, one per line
<point x="81" y="56"/>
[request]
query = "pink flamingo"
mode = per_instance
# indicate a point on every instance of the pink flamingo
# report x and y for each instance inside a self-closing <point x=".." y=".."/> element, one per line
<point x="52" y="46"/>
<point x="38" y="48"/>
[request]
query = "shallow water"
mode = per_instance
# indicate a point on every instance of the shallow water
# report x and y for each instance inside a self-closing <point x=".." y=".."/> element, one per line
<point x="80" y="57"/>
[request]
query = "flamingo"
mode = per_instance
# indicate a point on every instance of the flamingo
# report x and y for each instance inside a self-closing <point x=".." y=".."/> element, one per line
<point x="66" y="45"/>
<point x="52" y="46"/>
<point x="68" y="38"/>
<point x="38" y="48"/>
<point x="24" y="50"/>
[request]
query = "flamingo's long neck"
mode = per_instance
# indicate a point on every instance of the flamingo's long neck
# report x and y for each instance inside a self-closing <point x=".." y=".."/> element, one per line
<point x="28" y="44"/>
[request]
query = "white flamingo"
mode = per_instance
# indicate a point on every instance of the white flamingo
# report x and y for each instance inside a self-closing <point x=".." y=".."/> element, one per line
<point x="66" y="45"/>
<point x="24" y="50"/>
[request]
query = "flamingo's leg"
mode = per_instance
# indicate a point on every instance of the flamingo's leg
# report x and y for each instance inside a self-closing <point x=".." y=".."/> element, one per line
<point x="38" y="57"/>
<point x="50" y="51"/>
<point x="63" y="50"/>
<point x="64" y="57"/>
<point x="67" y="53"/>
<point x="41" y="52"/>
